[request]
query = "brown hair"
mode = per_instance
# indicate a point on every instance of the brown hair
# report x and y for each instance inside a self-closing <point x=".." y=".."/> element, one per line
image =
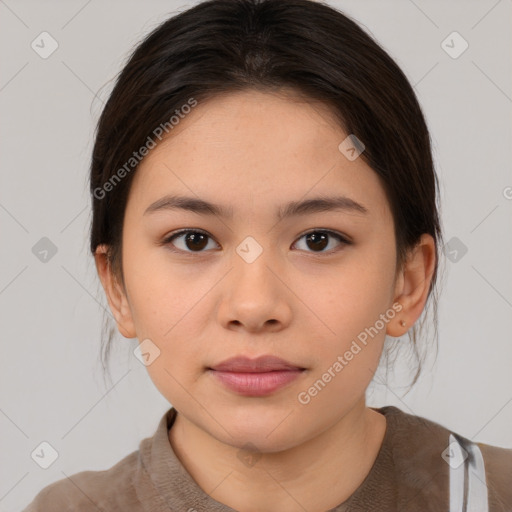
<point x="220" y="46"/>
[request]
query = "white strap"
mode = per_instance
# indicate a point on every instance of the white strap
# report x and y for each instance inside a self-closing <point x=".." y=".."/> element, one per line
<point x="477" y="486"/>
<point x="467" y="469"/>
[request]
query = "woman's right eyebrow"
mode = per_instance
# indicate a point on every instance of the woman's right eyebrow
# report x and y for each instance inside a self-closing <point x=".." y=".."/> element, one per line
<point x="291" y="209"/>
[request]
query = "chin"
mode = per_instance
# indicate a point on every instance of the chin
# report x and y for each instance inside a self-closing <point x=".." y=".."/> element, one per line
<point x="270" y="429"/>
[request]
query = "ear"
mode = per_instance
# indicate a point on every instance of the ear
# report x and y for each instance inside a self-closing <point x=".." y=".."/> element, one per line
<point x="116" y="295"/>
<point x="412" y="285"/>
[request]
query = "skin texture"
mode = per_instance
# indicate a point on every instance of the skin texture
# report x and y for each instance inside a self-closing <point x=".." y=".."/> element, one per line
<point x="252" y="152"/>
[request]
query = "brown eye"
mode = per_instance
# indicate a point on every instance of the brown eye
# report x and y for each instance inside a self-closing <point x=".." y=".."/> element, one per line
<point x="189" y="240"/>
<point x="318" y="240"/>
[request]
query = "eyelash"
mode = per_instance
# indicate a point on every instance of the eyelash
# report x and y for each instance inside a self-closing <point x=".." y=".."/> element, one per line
<point x="329" y="232"/>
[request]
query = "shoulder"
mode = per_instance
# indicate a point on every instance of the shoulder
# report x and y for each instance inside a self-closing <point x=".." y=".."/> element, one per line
<point x="420" y="474"/>
<point x="425" y="450"/>
<point x="91" y="490"/>
<point x="498" y="470"/>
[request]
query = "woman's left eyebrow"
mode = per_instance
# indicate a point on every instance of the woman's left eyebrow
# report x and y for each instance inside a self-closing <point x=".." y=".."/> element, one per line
<point x="293" y="208"/>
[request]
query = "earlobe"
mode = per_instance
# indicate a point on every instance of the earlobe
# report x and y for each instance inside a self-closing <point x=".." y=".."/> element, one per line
<point x="413" y="284"/>
<point x="116" y="295"/>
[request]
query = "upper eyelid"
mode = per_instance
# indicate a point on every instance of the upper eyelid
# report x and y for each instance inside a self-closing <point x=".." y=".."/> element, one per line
<point x="325" y="230"/>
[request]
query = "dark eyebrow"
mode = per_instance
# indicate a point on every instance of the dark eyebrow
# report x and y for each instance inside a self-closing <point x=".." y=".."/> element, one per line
<point x="201" y="207"/>
<point x="321" y="204"/>
<point x="191" y="204"/>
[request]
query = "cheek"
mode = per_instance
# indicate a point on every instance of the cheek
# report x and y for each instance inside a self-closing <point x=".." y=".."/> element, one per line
<point x="170" y="306"/>
<point x="349" y="299"/>
<point x="350" y="303"/>
<point x="162" y="295"/>
<point x="346" y="359"/>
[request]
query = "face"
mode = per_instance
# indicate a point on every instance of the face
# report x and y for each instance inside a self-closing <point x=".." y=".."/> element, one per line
<point x="244" y="281"/>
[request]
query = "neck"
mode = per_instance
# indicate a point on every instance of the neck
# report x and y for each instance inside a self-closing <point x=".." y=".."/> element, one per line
<point x="316" y="475"/>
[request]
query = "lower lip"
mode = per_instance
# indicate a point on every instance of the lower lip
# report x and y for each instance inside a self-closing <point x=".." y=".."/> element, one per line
<point x="256" y="384"/>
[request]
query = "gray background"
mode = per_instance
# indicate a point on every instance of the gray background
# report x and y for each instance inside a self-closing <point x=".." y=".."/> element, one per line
<point x="51" y="312"/>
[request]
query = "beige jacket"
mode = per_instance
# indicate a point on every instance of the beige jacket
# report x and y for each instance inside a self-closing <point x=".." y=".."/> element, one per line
<point x="421" y="466"/>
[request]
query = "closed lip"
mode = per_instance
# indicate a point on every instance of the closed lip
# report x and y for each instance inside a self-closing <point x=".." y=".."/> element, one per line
<point x="262" y="364"/>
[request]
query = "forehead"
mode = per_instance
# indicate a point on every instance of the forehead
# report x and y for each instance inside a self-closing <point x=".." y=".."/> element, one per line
<point x="256" y="149"/>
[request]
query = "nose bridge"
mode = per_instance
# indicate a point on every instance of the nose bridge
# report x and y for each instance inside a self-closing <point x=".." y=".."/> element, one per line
<point x="252" y="268"/>
<point x="255" y="296"/>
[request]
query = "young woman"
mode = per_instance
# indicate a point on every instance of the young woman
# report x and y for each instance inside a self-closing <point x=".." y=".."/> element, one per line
<point x="264" y="215"/>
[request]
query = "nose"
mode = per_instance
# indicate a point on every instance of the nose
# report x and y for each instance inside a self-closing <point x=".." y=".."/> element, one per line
<point x="254" y="298"/>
